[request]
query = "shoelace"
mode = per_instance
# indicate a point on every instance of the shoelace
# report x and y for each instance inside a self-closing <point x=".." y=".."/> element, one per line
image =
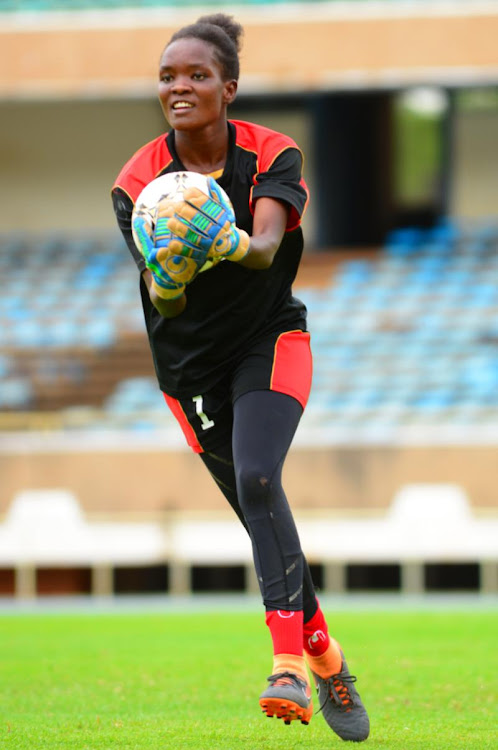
<point x="338" y="691"/>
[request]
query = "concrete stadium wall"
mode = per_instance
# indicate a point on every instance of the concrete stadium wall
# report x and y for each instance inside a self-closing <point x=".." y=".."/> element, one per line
<point x="474" y="191"/>
<point x="78" y="91"/>
<point x="148" y="483"/>
<point x="312" y="47"/>
<point x="68" y="155"/>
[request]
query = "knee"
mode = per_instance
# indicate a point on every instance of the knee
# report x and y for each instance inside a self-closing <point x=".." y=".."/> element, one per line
<point x="253" y="482"/>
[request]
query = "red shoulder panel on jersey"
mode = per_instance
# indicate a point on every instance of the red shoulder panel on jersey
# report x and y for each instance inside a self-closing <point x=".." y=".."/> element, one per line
<point x="263" y="141"/>
<point x="267" y="145"/>
<point x="143" y="167"/>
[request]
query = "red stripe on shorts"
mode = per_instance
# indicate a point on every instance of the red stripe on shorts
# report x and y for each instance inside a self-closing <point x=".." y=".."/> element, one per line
<point x="293" y="366"/>
<point x="187" y="428"/>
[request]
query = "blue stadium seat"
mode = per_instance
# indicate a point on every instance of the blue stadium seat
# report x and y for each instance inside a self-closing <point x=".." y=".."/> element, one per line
<point x="15" y="393"/>
<point x="411" y="336"/>
<point x="98" y="333"/>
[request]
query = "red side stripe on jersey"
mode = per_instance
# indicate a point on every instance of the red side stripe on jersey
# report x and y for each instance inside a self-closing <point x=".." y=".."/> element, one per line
<point x="293" y="366"/>
<point x="181" y="417"/>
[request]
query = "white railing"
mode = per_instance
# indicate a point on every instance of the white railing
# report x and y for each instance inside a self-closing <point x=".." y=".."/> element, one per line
<point x="426" y="523"/>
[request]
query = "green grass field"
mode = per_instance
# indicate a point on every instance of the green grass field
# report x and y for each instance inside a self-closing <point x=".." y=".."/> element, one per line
<point x="160" y="680"/>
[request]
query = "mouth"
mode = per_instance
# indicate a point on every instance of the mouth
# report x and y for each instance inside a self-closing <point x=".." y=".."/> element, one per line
<point x="181" y="106"/>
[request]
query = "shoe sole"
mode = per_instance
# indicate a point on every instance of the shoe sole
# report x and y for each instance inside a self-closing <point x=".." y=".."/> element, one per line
<point x="286" y="710"/>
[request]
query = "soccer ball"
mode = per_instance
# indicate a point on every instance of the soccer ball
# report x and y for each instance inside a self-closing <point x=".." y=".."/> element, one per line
<point x="172" y="186"/>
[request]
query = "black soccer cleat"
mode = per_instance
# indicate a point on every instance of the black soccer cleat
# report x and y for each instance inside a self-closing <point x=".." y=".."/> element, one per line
<point x="341" y="705"/>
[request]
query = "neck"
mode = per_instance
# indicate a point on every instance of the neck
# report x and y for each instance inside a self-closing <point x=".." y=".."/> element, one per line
<point x="204" y="151"/>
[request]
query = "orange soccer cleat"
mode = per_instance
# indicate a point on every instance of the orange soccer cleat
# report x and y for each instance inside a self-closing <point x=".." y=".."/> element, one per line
<point x="288" y="697"/>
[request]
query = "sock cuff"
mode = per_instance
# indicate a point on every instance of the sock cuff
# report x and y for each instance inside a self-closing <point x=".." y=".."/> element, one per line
<point x="316" y="637"/>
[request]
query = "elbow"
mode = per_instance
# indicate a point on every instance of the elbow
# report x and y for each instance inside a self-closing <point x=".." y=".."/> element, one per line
<point x="265" y="262"/>
<point x="168" y="308"/>
<point x="268" y="258"/>
<point x="259" y="260"/>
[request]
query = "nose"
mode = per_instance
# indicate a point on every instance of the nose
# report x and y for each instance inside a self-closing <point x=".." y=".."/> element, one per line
<point x="181" y="84"/>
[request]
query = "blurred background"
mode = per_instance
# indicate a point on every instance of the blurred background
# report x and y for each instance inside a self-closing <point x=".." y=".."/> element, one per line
<point x="393" y="475"/>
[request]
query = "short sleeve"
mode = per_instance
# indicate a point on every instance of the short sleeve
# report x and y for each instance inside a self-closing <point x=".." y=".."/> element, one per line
<point x="283" y="180"/>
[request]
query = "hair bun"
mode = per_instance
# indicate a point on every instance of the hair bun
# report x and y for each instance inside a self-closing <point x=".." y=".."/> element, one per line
<point x="230" y="26"/>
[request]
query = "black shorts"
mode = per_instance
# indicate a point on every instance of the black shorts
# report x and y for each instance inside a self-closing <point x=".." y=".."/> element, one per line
<point x="280" y="363"/>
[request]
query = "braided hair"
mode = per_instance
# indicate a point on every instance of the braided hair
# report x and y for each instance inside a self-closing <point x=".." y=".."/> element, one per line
<point x="223" y="33"/>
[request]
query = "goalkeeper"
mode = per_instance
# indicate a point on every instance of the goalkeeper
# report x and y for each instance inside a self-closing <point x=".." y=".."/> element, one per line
<point x="229" y="340"/>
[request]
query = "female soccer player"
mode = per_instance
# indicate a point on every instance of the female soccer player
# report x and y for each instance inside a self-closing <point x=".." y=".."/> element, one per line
<point x="230" y="347"/>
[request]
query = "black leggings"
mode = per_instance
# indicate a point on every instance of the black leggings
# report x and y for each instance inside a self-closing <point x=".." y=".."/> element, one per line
<point x="249" y="473"/>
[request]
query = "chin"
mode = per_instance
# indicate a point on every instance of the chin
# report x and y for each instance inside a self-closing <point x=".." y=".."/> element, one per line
<point x="180" y="123"/>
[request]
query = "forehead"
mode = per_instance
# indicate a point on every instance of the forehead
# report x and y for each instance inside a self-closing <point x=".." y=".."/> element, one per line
<point x="189" y="52"/>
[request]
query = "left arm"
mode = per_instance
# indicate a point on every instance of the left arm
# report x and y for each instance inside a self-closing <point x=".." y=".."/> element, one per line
<point x="209" y="223"/>
<point x="269" y="223"/>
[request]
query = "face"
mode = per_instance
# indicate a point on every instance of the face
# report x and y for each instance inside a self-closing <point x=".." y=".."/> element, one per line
<point x="192" y="91"/>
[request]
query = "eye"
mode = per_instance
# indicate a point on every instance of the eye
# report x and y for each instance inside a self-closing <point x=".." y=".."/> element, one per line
<point x="199" y="76"/>
<point x="166" y="78"/>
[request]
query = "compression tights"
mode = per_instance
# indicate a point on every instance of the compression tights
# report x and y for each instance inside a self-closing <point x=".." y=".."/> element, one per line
<point x="249" y="473"/>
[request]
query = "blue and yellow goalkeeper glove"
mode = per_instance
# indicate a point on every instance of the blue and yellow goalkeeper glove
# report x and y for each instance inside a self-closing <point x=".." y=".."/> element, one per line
<point x="207" y="223"/>
<point x="173" y="263"/>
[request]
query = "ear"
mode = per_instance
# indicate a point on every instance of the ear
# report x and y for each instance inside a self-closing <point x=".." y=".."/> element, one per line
<point x="230" y="91"/>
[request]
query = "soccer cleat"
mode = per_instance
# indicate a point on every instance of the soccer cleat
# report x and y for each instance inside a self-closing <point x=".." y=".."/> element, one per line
<point x="341" y="705"/>
<point x="288" y="697"/>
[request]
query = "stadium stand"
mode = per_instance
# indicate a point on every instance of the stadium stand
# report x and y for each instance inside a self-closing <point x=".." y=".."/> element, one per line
<point x="420" y="340"/>
<point x="420" y="344"/>
<point x="405" y="336"/>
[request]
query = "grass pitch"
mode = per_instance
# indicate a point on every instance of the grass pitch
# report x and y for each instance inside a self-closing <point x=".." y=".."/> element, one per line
<point x="192" y="680"/>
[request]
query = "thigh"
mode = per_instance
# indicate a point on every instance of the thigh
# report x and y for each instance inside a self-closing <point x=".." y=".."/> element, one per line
<point x="264" y="426"/>
<point x="280" y="363"/>
<point x="206" y="419"/>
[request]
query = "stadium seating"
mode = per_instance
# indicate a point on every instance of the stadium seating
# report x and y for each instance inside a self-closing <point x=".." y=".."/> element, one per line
<point x="406" y="337"/>
<point x="410" y="336"/>
<point x="52" y="340"/>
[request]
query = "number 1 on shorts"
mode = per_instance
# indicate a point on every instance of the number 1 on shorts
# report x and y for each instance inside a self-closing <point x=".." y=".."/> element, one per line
<point x="206" y="423"/>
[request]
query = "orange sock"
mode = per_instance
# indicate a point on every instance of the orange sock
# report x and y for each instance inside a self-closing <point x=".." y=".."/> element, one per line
<point x="328" y="663"/>
<point x="290" y="663"/>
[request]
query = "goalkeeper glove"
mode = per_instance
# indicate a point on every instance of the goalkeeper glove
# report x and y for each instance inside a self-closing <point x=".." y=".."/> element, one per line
<point x="207" y="223"/>
<point x="171" y="272"/>
<point x="163" y="236"/>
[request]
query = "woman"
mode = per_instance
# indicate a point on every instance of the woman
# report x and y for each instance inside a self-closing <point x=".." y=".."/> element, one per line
<point x="230" y="347"/>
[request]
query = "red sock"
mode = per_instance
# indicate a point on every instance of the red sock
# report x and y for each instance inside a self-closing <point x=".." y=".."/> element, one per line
<point x="286" y="630"/>
<point x="316" y="637"/>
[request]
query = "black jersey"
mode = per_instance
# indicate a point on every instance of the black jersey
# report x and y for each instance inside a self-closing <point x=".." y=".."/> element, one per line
<point x="229" y="307"/>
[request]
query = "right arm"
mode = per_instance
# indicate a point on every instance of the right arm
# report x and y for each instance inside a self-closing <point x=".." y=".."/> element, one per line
<point x="123" y="208"/>
<point x="167" y="308"/>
